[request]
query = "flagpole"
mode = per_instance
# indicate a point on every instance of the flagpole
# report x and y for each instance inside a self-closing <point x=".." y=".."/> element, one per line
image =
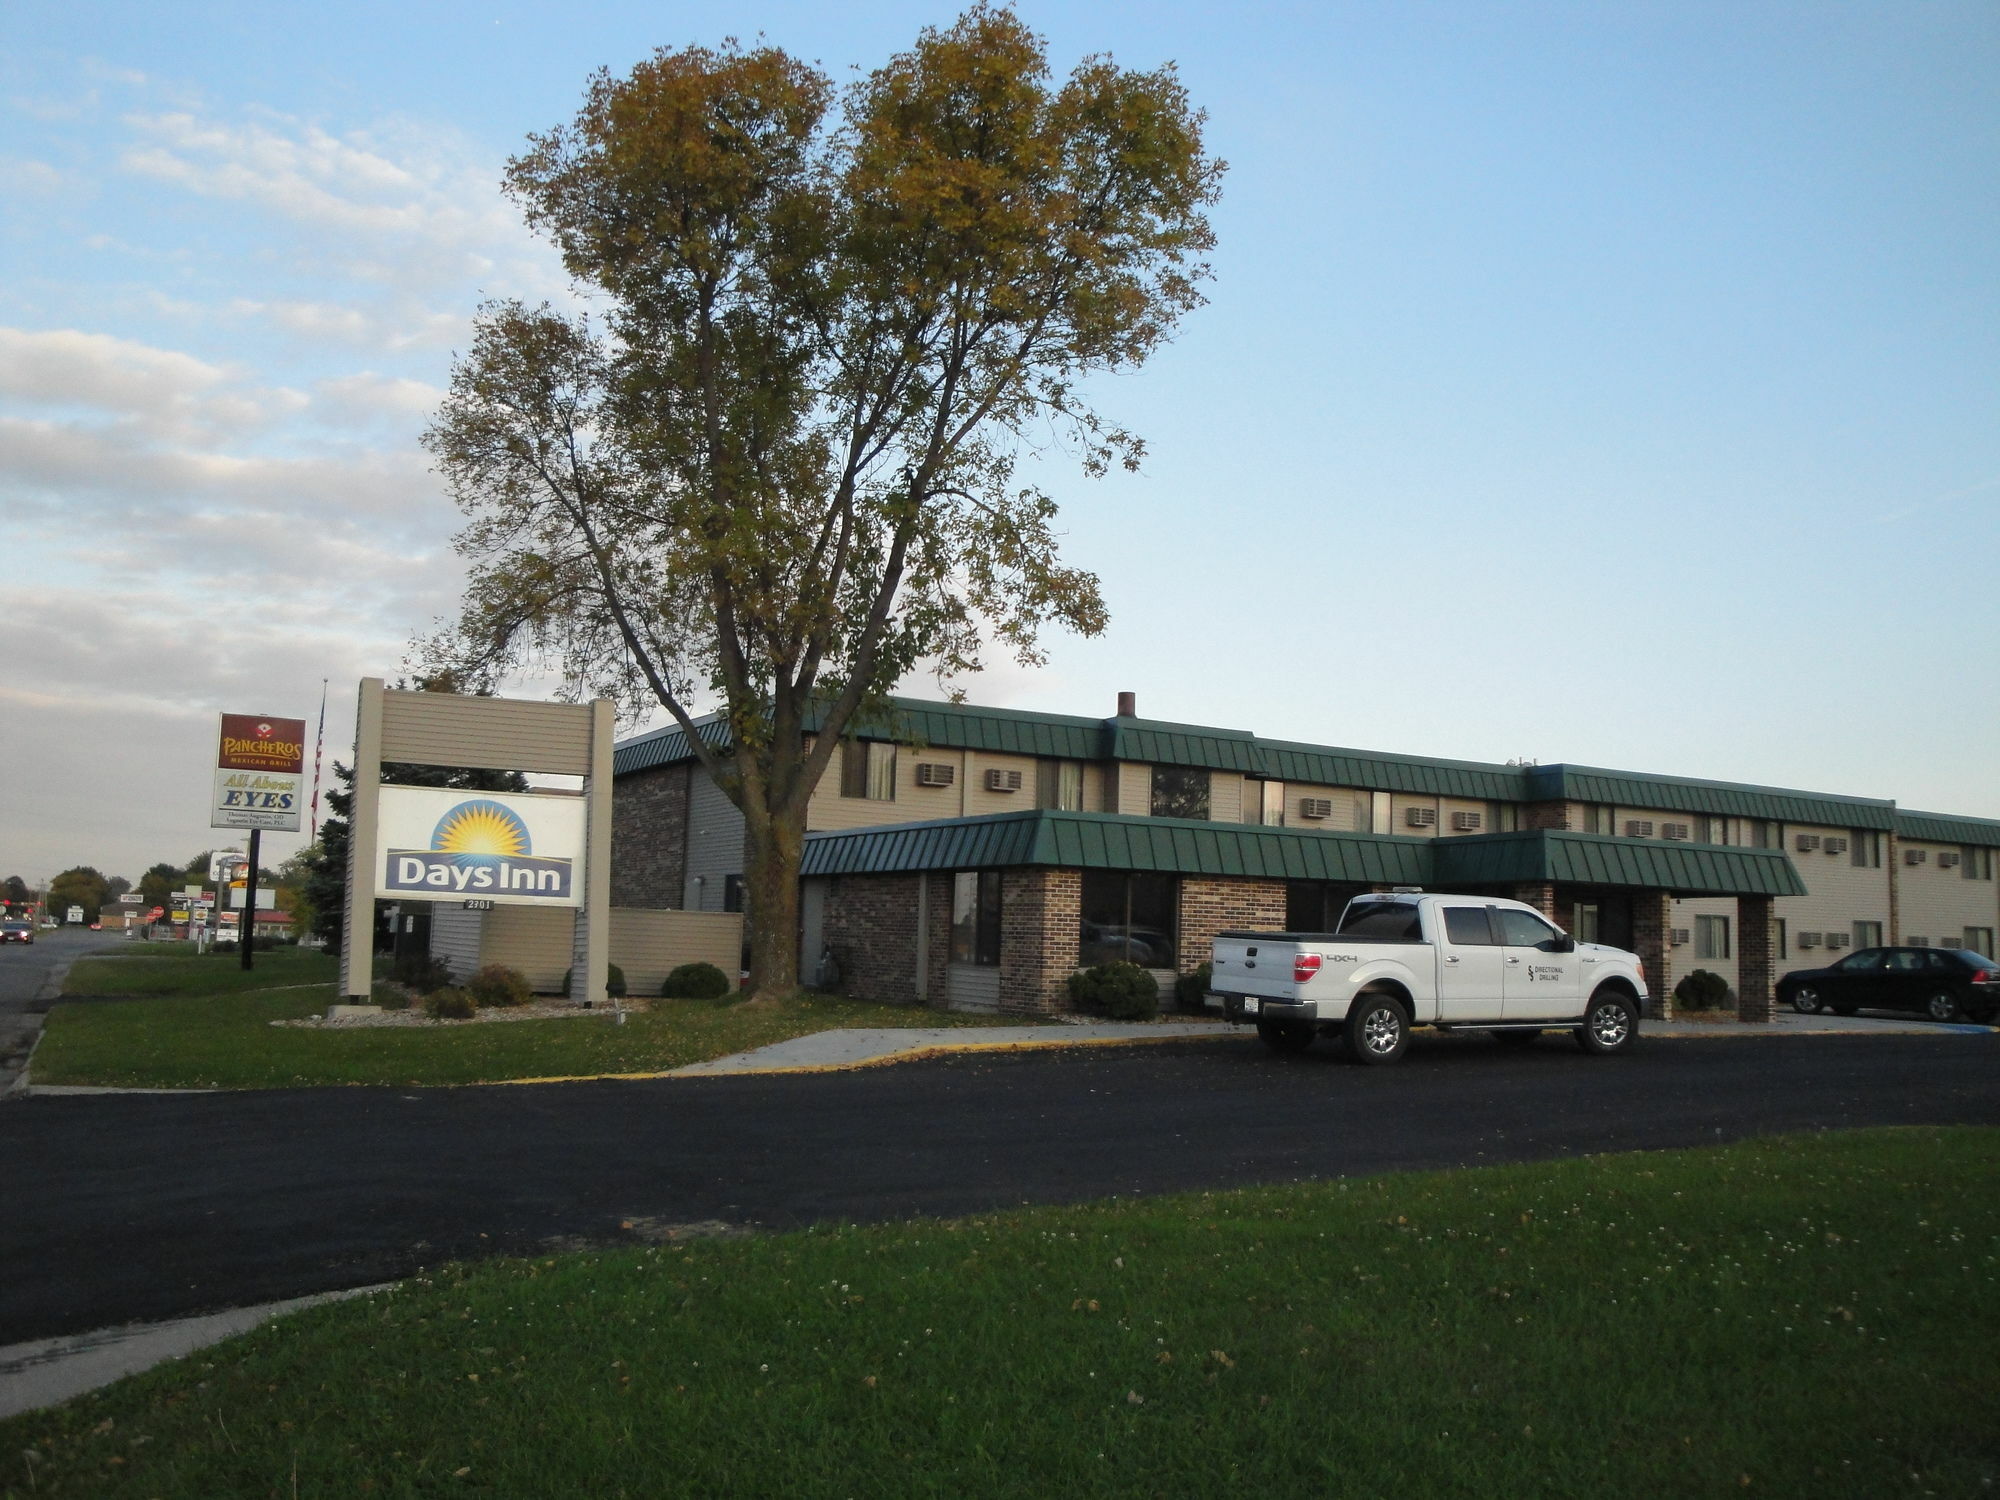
<point x="319" y="746"/>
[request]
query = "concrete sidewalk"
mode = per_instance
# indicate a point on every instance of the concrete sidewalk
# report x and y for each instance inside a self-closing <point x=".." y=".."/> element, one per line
<point x="825" y="1051"/>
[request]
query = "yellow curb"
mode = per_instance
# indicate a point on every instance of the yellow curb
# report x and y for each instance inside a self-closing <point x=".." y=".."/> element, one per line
<point x="887" y="1059"/>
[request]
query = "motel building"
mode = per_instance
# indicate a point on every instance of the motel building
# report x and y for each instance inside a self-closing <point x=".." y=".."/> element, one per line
<point x="974" y="858"/>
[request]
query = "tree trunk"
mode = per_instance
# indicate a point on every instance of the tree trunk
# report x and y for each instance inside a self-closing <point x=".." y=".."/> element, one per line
<point x="774" y="845"/>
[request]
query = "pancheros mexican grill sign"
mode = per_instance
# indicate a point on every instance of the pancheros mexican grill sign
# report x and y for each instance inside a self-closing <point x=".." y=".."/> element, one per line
<point x="260" y="765"/>
<point x="525" y="849"/>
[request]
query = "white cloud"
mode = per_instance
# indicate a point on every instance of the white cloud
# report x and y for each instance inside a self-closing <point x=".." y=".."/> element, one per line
<point x="29" y="177"/>
<point x="369" y="395"/>
<point x="66" y="367"/>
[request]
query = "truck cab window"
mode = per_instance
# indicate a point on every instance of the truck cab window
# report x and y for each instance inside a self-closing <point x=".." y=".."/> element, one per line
<point x="1381" y="919"/>
<point x="1468" y="926"/>
<point x="1522" y="929"/>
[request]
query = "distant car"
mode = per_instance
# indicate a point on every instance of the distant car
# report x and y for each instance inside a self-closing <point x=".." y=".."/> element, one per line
<point x="1943" y="983"/>
<point x="17" y="932"/>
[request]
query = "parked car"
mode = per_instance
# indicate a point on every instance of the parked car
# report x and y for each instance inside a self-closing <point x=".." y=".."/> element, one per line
<point x="1943" y="983"/>
<point x="17" y="932"/>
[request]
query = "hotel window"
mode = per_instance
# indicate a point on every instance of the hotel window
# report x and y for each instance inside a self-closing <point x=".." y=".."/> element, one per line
<point x="1502" y="817"/>
<point x="1780" y="939"/>
<point x="1315" y="906"/>
<point x="868" y="769"/>
<point x="1867" y="934"/>
<point x="1865" y="849"/>
<point x="1976" y="863"/>
<point x="1381" y="813"/>
<point x="1128" y="917"/>
<point x="1180" y="792"/>
<point x="1585" y="922"/>
<point x="1760" y="833"/>
<point x="1713" y="830"/>
<point x="975" y="917"/>
<point x="1059" y="784"/>
<point x="1980" y="940"/>
<point x="1711" y="937"/>
<point x="1597" y="818"/>
<point x="1271" y="803"/>
<point x="732" y="893"/>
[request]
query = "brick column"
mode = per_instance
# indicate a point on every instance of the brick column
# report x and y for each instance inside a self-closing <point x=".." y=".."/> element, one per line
<point x="1209" y="906"/>
<point x="1541" y="895"/>
<point x="1652" y="939"/>
<point x="1041" y="929"/>
<point x="1754" y="969"/>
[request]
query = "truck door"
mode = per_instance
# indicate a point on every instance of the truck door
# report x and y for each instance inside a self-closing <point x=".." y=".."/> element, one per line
<point x="1538" y="983"/>
<point x="1469" y="962"/>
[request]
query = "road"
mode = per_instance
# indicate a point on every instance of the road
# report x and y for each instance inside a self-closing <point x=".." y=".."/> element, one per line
<point x="135" y="1207"/>
<point x="24" y="972"/>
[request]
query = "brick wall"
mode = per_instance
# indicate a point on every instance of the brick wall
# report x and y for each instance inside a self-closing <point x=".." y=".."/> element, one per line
<point x="1544" y="815"/>
<point x="649" y="837"/>
<point x="1540" y="895"/>
<point x="1754" y="965"/>
<point x="1041" y="915"/>
<point x="1652" y="926"/>
<point x="1210" y="906"/>
<point x="871" y="925"/>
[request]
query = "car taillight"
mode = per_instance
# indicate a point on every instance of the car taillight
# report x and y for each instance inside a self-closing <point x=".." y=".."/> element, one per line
<point x="1304" y="966"/>
<point x="1980" y="976"/>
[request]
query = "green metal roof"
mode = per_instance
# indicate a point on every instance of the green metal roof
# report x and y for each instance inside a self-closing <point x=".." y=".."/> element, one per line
<point x="1945" y="828"/>
<point x="1639" y="789"/>
<point x="1183" y="745"/>
<point x="1105" y="841"/>
<point x="1282" y="760"/>
<point x="1008" y="731"/>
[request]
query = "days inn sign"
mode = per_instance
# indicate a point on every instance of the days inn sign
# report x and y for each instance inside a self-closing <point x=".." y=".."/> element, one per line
<point x="522" y="849"/>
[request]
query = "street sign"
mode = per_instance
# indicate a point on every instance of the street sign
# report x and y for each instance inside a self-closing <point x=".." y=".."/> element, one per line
<point x="75" y="914"/>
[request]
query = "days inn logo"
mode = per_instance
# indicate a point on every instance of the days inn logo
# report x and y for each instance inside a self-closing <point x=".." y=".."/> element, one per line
<point x="479" y="848"/>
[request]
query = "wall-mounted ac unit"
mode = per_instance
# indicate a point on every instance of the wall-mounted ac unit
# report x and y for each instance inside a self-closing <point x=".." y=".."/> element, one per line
<point x="1638" y="828"/>
<point x="1917" y="942"/>
<point x="936" y="773"/>
<point x="1468" y="822"/>
<point x="1315" y="807"/>
<point x="1679" y="937"/>
<point x="1838" y="939"/>
<point x="1915" y="856"/>
<point x="1675" y="831"/>
<point x="1835" y="846"/>
<point x="1948" y="859"/>
<point x="1805" y="843"/>
<point x="1808" y="940"/>
<point x="1420" y="817"/>
<point x="998" y="780"/>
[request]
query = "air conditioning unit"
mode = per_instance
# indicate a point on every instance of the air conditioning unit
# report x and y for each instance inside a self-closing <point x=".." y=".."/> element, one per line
<point x="1805" y="843"/>
<point x="1838" y="939"/>
<point x="1679" y="937"/>
<point x="935" y="773"/>
<point x="998" y="780"/>
<point x="1315" y="807"/>
<point x="1420" y="817"/>
<point x="1468" y="822"/>
<point x="1916" y="857"/>
<point x="1808" y="940"/>
<point x="1638" y="828"/>
<point x="1948" y="859"/>
<point x="1835" y="846"/>
<point x="1675" y="831"/>
<point x="1917" y="942"/>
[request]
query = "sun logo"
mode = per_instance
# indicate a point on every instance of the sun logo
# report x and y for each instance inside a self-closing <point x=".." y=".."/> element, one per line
<point x="481" y="832"/>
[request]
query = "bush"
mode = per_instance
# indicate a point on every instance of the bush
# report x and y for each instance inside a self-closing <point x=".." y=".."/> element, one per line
<point x="1122" y="991"/>
<point x="451" y="1005"/>
<point x="421" y="972"/>
<point x="614" y="981"/>
<point x="498" y="985"/>
<point x="696" y="982"/>
<point x="1703" y="990"/>
<point x="1189" y="988"/>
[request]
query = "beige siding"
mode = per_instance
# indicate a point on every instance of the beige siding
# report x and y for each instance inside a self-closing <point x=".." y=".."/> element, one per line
<point x="1838" y="896"/>
<point x="500" y="734"/>
<point x="647" y="943"/>
<point x="1450" y="805"/>
<point x="979" y="801"/>
<point x="972" y="987"/>
<point x="534" y="939"/>
<point x="1399" y="816"/>
<point x="1939" y="903"/>
<point x="1681" y="960"/>
<point x="912" y="804"/>
<point x="1342" y="798"/>
<point x="1225" y="797"/>
<point x="1098" y="792"/>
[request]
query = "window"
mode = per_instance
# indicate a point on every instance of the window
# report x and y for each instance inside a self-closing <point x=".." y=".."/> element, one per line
<point x="1271" y="804"/>
<point x="1468" y="926"/>
<point x="1586" y="921"/>
<point x="1382" y="919"/>
<point x="1523" y="929"/>
<point x="1861" y="963"/>
<point x="1502" y="817"/>
<point x="1979" y="940"/>
<point x="1760" y="833"/>
<point x="1865" y="849"/>
<point x="1867" y="934"/>
<point x="1059" y="784"/>
<point x="1711" y="937"/>
<point x="1904" y="961"/>
<point x="1381" y="813"/>
<point x="1315" y="906"/>
<point x="1180" y="792"/>
<point x="975" y="917"/>
<point x="1712" y="830"/>
<point x="868" y="769"/>
<point x="1597" y="818"/>
<point x="1130" y="917"/>
<point x="1976" y="863"/>
<point x="732" y="893"/>
<point x="1780" y="938"/>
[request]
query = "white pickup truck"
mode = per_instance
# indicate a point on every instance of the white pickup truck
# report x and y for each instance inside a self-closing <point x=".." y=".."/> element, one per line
<point x="1408" y="958"/>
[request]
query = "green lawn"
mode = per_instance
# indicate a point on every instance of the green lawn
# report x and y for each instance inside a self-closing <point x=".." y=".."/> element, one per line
<point x="1813" y="1316"/>
<point x="203" y="1026"/>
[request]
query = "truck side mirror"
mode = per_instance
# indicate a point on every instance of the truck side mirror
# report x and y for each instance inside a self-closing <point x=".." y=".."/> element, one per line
<point x="1563" y="943"/>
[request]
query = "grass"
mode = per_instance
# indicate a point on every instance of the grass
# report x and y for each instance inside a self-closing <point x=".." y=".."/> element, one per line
<point x="205" y="1024"/>
<point x="1803" y="1316"/>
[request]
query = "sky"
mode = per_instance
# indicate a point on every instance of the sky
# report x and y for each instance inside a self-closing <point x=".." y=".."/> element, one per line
<point x="1611" y="384"/>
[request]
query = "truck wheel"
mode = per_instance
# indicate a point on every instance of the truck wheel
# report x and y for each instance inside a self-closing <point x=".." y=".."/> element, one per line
<point x="1610" y="1025"/>
<point x="1376" y="1031"/>
<point x="1285" y="1036"/>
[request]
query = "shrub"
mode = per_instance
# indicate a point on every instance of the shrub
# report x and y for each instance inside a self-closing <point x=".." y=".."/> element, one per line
<point x="1189" y="988"/>
<point x="1122" y="991"/>
<point x="451" y="1005"/>
<point x="421" y="972"/>
<point x="696" y="982"/>
<point x="614" y="981"/>
<point x="1703" y="990"/>
<point x="498" y="985"/>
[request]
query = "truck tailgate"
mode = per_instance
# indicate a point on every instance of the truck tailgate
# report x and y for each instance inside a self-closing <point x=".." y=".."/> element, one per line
<point x="1254" y="965"/>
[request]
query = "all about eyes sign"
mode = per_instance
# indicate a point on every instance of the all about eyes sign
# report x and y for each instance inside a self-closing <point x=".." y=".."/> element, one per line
<point x="521" y="848"/>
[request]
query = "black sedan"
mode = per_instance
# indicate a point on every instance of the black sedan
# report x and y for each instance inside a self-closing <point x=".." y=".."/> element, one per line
<point x="1943" y="983"/>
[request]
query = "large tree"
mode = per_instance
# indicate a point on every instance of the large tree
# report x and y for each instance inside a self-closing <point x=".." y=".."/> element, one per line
<point x="80" y="885"/>
<point x="780" y="470"/>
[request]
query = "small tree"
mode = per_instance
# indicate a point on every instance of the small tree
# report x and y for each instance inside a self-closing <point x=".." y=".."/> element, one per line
<point x="782" y="472"/>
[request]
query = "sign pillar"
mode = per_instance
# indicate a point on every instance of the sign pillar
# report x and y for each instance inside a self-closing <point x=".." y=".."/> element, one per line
<point x="591" y="955"/>
<point x="357" y="933"/>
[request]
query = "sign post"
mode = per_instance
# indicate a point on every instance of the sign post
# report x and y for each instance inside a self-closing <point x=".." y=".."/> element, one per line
<point x="260" y="765"/>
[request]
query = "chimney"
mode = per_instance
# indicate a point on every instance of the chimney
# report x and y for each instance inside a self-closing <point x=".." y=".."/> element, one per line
<point x="1128" y="705"/>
